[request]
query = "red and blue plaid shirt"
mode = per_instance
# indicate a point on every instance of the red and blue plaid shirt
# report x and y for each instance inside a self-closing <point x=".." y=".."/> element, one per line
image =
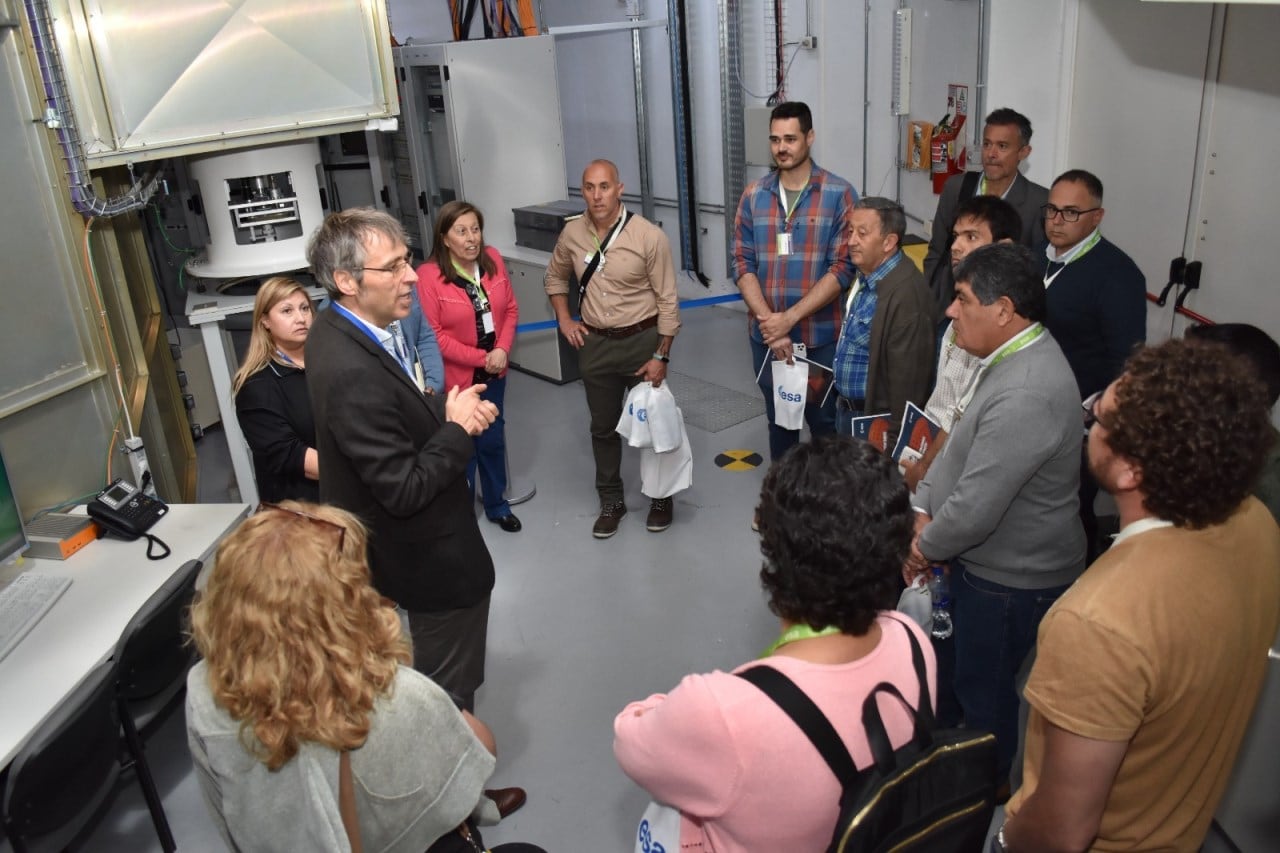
<point x="818" y="247"/>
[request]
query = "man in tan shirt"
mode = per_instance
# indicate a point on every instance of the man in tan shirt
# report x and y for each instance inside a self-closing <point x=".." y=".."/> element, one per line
<point x="630" y="315"/>
<point x="1149" y="667"/>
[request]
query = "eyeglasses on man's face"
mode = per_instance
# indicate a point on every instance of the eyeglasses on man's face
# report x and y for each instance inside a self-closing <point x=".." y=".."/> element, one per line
<point x="1068" y="214"/>
<point x="398" y="268"/>
<point x="1090" y="406"/>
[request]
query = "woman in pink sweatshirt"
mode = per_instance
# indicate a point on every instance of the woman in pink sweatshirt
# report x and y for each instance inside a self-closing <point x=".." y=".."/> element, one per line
<point x="835" y="527"/>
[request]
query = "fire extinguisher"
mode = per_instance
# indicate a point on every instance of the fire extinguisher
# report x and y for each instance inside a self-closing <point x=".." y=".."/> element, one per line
<point x="946" y="153"/>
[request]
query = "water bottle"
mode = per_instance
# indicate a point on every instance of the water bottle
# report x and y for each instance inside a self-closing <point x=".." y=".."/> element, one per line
<point x="940" y="590"/>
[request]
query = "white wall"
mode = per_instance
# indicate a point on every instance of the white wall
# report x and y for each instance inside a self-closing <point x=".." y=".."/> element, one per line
<point x="1114" y="86"/>
<point x="1028" y="69"/>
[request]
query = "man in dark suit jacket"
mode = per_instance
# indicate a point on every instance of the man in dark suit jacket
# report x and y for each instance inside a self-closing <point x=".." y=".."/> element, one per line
<point x="885" y="352"/>
<point x="1006" y="142"/>
<point x="397" y="457"/>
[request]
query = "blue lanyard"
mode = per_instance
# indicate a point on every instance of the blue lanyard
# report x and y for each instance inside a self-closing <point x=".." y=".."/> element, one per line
<point x="357" y="322"/>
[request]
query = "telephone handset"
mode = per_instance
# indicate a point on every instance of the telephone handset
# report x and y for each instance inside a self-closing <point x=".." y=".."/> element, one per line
<point x="125" y="511"/>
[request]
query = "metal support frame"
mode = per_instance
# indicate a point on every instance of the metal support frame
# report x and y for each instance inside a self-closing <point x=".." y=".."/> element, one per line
<point x="734" y="151"/>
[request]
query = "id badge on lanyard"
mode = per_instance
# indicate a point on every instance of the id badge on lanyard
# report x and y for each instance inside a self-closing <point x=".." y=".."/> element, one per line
<point x="486" y="319"/>
<point x="784" y="239"/>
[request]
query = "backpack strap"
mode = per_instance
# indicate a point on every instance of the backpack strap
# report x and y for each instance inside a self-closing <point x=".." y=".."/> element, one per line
<point x="802" y="710"/>
<point x="599" y="255"/>
<point x="922" y="717"/>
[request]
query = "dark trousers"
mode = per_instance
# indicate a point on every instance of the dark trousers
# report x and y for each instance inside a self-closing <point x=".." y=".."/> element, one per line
<point x="820" y="415"/>
<point x="491" y="455"/>
<point x="453" y="842"/>
<point x="449" y="648"/>
<point x="995" y="629"/>
<point x="608" y="367"/>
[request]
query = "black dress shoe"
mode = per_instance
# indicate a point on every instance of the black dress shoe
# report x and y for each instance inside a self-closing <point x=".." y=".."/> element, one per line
<point x="508" y="800"/>
<point x="509" y="523"/>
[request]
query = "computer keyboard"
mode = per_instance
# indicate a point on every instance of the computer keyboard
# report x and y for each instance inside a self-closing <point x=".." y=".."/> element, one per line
<point x="24" y="602"/>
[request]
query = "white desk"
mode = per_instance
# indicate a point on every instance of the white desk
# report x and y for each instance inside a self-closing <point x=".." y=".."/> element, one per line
<point x="111" y="581"/>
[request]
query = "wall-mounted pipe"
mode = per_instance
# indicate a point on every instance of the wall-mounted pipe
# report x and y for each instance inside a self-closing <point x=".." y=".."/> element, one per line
<point x="60" y="118"/>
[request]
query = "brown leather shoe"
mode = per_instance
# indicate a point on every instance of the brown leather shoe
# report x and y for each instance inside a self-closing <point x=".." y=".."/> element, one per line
<point x="661" y="512"/>
<point x="610" y="516"/>
<point x="508" y="800"/>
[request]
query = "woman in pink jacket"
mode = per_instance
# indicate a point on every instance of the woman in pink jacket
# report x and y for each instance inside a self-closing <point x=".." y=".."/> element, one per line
<point x="466" y="294"/>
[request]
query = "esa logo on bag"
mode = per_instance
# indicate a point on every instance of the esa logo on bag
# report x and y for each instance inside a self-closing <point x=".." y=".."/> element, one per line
<point x="640" y="414"/>
<point x="789" y="396"/>
<point x="647" y="842"/>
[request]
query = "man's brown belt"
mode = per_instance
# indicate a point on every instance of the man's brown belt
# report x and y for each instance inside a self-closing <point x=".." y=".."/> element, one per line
<point x="624" y="331"/>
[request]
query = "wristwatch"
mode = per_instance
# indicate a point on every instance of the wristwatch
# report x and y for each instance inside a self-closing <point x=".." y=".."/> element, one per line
<point x="662" y="357"/>
<point x="997" y="841"/>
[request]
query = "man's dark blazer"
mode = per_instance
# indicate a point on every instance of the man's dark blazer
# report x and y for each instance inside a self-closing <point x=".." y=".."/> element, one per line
<point x="388" y="455"/>
<point x="1026" y="197"/>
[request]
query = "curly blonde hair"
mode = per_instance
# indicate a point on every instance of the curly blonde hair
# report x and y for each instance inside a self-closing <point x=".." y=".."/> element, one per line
<point x="262" y="347"/>
<point x="297" y="643"/>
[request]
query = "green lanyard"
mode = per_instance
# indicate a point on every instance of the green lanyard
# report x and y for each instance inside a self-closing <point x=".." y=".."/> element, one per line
<point x="789" y="209"/>
<point x="1021" y="341"/>
<point x="1072" y="256"/>
<point x="482" y="298"/>
<point x="982" y="186"/>
<point x="798" y="632"/>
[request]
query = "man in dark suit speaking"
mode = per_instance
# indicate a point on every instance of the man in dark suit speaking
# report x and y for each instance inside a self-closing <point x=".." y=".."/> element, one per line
<point x="395" y="456"/>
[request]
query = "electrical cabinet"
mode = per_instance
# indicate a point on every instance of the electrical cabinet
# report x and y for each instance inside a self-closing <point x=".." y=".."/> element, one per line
<point x="480" y="122"/>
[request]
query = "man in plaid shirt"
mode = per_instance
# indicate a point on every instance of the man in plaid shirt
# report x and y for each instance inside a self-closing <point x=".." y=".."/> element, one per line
<point x="790" y="262"/>
<point x="884" y="355"/>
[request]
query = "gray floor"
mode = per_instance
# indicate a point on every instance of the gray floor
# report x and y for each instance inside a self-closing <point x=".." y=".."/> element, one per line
<point x="578" y="627"/>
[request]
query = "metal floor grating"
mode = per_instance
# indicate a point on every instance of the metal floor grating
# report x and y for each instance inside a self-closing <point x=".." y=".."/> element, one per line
<point x="711" y="407"/>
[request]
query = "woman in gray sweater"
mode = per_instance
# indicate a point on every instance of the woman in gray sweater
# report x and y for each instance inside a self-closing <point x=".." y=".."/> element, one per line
<point x="304" y="662"/>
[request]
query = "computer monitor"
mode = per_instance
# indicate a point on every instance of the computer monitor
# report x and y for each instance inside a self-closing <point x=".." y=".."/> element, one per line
<point x="13" y="536"/>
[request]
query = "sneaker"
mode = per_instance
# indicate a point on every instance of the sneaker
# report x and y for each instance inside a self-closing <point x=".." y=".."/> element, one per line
<point x="660" y="514"/>
<point x="610" y="516"/>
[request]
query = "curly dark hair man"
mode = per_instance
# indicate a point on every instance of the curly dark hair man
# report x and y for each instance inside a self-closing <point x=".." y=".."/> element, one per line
<point x="1148" y="669"/>
<point x="1194" y="419"/>
<point x="835" y="526"/>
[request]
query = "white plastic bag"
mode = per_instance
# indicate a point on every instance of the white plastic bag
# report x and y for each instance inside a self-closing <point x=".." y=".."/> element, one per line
<point x="790" y="390"/>
<point x="917" y="602"/>
<point x="659" y="830"/>
<point x="664" y="474"/>
<point x="634" y="423"/>
<point x="664" y="419"/>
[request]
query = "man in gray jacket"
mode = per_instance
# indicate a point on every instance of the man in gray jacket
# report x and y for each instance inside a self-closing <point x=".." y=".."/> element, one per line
<point x="1000" y="502"/>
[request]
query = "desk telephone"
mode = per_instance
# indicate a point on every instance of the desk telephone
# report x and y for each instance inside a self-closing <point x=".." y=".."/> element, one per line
<point x="125" y="511"/>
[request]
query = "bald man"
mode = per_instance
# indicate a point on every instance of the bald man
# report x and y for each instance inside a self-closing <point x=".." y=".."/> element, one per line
<point x="629" y="317"/>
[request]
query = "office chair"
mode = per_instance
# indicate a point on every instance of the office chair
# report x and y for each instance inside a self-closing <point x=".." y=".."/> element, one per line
<point x="67" y="770"/>
<point x="153" y="657"/>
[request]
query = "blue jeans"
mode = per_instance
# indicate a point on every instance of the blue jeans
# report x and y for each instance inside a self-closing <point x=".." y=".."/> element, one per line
<point x="491" y="456"/>
<point x="821" y="417"/>
<point x="995" y="629"/>
<point x="844" y="418"/>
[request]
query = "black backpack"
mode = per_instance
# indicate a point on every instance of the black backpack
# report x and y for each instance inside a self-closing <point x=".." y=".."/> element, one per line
<point x="936" y="794"/>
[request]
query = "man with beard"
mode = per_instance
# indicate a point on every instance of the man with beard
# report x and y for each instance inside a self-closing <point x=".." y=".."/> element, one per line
<point x="790" y="263"/>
